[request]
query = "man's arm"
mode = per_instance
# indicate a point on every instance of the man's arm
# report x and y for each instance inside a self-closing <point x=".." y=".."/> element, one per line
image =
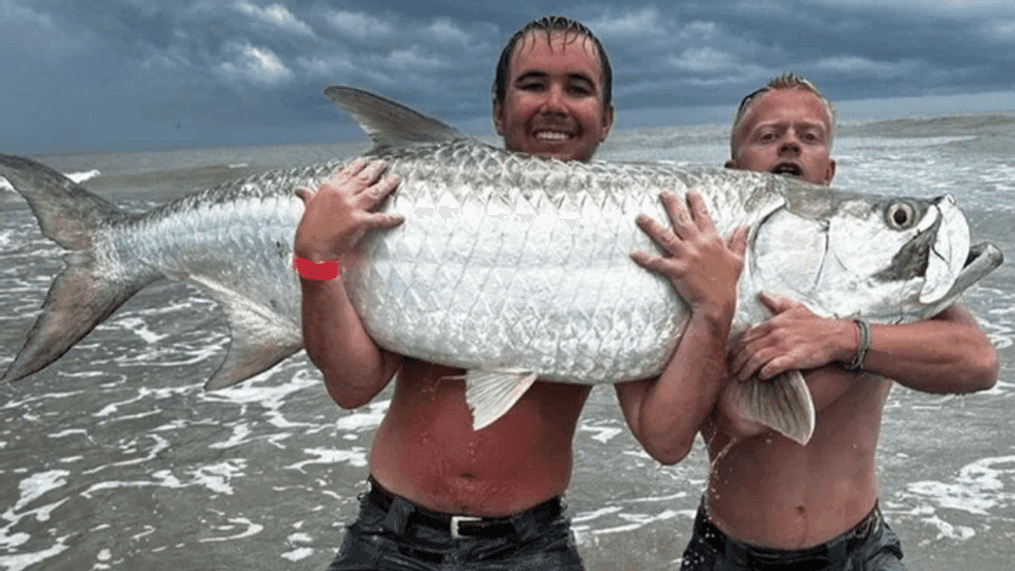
<point x="665" y="413"/>
<point x="946" y="354"/>
<point x="336" y="218"/>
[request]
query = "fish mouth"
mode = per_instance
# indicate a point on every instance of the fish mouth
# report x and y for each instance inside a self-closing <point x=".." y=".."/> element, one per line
<point x="788" y="168"/>
<point x="982" y="259"/>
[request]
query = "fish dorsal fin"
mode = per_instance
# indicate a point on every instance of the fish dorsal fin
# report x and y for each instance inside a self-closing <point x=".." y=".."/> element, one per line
<point x="389" y="123"/>
<point x="491" y="394"/>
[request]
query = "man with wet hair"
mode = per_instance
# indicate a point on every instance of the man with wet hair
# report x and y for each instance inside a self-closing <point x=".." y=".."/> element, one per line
<point x="441" y="494"/>
<point x="518" y="133"/>
<point x="772" y="503"/>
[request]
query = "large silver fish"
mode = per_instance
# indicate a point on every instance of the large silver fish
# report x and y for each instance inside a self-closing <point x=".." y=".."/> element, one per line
<point x="510" y="266"/>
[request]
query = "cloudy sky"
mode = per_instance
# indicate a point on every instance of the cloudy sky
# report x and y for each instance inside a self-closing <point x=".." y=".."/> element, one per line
<point x="145" y="74"/>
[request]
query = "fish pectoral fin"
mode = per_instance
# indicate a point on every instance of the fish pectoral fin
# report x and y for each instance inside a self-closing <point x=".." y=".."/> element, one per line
<point x="490" y="394"/>
<point x="782" y="403"/>
<point x="260" y="339"/>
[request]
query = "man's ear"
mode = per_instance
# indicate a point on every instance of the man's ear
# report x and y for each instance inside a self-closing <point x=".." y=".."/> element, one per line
<point x="830" y="171"/>
<point x="498" y="117"/>
<point x="607" y="122"/>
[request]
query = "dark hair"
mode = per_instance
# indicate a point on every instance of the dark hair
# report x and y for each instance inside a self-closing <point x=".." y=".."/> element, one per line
<point x="551" y="24"/>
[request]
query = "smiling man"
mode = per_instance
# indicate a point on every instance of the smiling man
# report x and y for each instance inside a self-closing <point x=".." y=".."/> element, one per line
<point x="772" y="503"/>
<point x="550" y="97"/>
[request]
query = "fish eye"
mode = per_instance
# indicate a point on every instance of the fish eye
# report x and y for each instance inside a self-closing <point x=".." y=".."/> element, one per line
<point x="900" y="216"/>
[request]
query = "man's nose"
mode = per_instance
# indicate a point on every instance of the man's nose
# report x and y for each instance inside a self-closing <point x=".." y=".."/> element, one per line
<point x="790" y="145"/>
<point x="554" y="103"/>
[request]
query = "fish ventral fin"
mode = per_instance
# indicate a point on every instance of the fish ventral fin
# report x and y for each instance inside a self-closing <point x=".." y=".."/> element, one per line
<point x="491" y="394"/>
<point x="389" y="123"/>
<point x="782" y="403"/>
<point x="259" y="339"/>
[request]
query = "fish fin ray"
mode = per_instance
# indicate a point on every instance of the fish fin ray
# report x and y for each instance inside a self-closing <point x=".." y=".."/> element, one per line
<point x="490" y="394"/>
<point x="783" y="404"/>
<point x="389" y="123"/>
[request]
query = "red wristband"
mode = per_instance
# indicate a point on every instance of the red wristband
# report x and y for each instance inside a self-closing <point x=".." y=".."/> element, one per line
<point x="313" y="271"/>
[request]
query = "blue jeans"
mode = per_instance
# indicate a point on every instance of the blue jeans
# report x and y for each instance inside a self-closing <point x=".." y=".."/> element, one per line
<point x="403" y="537"/>
<point x="870" y="546"/>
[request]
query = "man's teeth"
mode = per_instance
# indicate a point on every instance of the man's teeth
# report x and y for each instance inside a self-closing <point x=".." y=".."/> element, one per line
<point x="552" y="136"/>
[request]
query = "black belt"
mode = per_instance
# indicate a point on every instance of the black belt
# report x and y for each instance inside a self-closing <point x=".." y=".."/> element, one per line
<point x="463" y="525"/>
<point x="813" y="558"/>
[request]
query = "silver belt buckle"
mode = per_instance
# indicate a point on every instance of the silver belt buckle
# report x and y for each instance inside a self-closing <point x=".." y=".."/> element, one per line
<point x="457" y="519"/>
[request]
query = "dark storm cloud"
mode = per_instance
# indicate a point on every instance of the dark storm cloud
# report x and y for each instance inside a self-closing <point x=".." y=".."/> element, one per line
<point x="143" y="74"/>
<point x="698" y="53"/>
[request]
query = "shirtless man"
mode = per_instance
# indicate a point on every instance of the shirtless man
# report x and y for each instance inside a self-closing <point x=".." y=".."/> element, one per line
<point x="443" y="495"/>
<point x="771" y="501"/>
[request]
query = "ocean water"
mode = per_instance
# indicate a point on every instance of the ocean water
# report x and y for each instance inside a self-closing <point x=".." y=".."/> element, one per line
<point x="115" y="457"/>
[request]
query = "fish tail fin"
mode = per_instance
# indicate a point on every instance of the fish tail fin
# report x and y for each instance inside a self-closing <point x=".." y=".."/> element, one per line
<point x="82" y="295"/>
<point x="783" y="404"/>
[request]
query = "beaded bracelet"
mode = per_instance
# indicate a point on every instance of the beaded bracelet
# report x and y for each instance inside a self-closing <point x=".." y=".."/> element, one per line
<point x="865" y="344"/>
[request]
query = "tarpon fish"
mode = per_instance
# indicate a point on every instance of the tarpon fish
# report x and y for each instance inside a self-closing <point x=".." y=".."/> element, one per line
<point x="510" y="266"/>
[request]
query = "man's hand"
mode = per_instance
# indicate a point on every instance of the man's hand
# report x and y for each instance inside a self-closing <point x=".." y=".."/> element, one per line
<point x="342" y="211"/>
<point x="794" y="338"/>
<point x="702" y="267"/>
<point x="665" y="413"/>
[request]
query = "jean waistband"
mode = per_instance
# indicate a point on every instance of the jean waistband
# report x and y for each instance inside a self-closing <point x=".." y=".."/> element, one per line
<point x="814" y="558"/>
<point x="464" y="525"/>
